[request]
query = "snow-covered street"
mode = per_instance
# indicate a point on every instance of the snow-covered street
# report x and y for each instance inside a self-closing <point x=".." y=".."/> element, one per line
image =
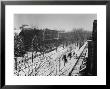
<point x="52" y="63"/>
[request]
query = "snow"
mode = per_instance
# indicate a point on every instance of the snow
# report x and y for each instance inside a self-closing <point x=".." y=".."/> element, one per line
<point x="51" y="64"/>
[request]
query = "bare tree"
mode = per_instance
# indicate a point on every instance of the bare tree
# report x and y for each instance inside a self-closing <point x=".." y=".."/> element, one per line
<point x="19" y="48"/>
<point x="34" y="46"/>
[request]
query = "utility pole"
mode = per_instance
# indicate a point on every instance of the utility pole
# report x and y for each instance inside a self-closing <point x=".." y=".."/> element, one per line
<point x="32" y="49"/>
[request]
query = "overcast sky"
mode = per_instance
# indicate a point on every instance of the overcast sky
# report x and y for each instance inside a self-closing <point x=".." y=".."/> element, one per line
<point x="65" y="22"/>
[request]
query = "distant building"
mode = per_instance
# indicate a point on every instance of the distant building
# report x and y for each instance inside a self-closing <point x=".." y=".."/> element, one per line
<point x="50" y="34"/>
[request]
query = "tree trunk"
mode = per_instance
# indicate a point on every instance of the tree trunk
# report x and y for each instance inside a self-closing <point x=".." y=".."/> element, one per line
<point x="32" y="57"/>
